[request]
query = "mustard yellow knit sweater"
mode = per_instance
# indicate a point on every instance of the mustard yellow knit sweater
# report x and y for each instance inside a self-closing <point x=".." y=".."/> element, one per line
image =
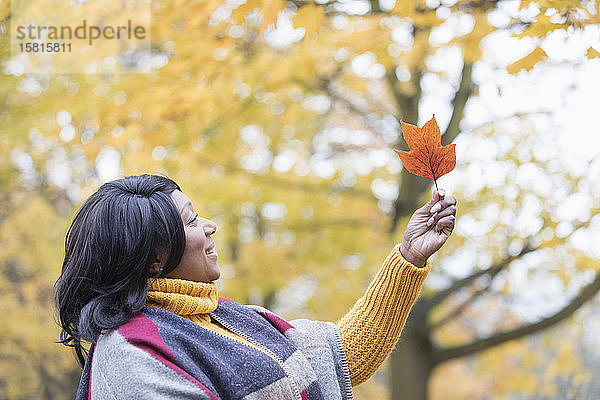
<point x="369" y="330"/>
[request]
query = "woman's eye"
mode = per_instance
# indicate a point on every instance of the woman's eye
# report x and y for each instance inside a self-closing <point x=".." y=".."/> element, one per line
<point x="193" y="219"/>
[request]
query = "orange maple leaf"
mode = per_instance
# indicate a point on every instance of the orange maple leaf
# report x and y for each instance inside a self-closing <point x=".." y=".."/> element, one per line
<point x="427" y="157"/>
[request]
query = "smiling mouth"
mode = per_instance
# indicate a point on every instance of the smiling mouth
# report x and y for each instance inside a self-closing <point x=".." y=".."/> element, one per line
<point x="211" y="251"/>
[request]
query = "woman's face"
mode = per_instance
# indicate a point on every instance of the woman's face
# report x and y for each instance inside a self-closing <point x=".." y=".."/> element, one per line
<point x="199" y="261"/>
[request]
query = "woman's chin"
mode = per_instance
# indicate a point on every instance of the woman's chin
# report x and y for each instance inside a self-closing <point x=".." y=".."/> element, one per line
<point x="215" y="273"/>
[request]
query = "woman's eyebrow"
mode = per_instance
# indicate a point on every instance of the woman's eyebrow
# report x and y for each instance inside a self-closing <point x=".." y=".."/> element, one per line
<point x="188" y="204"/>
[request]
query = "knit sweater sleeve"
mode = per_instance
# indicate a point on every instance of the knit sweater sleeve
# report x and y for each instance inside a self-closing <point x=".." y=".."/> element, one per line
<point x="372" y="327"/>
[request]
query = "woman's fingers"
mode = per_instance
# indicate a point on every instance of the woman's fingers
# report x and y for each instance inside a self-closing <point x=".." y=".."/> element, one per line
<point x="445" y="222"/>
<point x="443" y="203"/>
<point x="450" y="210"/>
<point x="442" y="208"/>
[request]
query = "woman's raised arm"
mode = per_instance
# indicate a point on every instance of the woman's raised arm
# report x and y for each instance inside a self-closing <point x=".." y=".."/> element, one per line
<point x="372" y="327"/>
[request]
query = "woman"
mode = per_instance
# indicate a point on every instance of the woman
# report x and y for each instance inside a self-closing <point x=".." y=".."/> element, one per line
<point x="138" y="283"/>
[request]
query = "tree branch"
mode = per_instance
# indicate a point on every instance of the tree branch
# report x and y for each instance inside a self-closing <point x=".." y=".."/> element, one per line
<point x="458" y="310"/>
<point x="362" y="114"/>
<point x="584" y="295"/>
<point x="459" y="102"/>
<point x="440" y="296"/>
<point x="375" y="8"/>
<point x="324" y="223"/>
<point x="302" y="3"/>
<point x="281" y="183"/>
<point x="492" y="271"/>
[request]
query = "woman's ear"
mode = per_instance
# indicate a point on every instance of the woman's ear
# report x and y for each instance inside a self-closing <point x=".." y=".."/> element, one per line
<point x="158" y="260"/>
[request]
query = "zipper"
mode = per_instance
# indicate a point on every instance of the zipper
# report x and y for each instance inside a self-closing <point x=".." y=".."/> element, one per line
<point x="264" y="349"/>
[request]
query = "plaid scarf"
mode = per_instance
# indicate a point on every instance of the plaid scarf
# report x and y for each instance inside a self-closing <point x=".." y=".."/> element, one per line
<point x="160" y="355"/>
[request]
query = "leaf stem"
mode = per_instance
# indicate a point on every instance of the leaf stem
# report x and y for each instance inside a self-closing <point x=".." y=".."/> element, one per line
<point x="432" y="173"/>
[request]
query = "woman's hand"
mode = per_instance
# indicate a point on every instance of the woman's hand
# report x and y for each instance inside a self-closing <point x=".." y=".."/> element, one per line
<point x="429" y="228"/>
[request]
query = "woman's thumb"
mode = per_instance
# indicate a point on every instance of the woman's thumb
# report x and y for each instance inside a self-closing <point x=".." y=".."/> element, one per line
<point x="436" y="195"/>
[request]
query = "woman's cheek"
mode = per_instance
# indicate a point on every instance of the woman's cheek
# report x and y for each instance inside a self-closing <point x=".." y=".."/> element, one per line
<point x="194" y="241"/>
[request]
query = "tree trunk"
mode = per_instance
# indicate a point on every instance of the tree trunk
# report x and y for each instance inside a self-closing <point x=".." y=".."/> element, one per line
<point x="411" y="361"/>
<point x="410" y="191"/>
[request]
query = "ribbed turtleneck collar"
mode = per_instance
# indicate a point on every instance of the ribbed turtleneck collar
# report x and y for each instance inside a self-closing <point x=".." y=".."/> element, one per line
<point x="182" y="297"/>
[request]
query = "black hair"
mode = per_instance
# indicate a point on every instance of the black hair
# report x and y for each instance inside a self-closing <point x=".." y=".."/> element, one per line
<point x="108" y="251"/>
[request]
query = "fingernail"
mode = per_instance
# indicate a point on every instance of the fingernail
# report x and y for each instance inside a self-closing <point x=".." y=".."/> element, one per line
<point x="435" y="208"/>
<point x="430" y="222"/>
<point x="441" y="192"/>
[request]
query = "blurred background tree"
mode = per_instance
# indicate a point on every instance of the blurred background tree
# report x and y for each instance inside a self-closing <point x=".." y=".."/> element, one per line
<point x="279" y="119"/>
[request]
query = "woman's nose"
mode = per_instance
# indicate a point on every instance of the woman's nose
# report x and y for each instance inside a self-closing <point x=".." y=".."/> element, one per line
<point x="209" y="227"/>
